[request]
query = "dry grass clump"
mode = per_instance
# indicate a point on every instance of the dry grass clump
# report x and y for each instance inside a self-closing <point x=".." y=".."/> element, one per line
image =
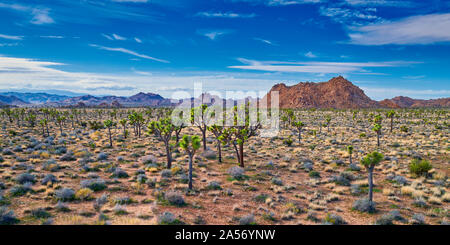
<point x="407" y="190"/>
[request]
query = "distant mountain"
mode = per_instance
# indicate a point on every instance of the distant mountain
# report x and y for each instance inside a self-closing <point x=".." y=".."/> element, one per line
<point x="140" y="99"/>
<point x="336" y="93"/>
<point x="36" y="98"/>
<point x="12" y="100"/>
<point x="406" y="102"/>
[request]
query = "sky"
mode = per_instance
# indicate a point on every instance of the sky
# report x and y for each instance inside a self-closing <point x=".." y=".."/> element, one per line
<point x="122" y="47"/>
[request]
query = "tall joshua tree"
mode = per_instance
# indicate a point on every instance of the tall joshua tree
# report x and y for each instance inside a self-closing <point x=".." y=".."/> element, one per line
<point x="44" y="124"/>
<point x="124" y="122"/>
<point x="163" y="129"/>
<point x="391" y="114"/>
<point x="217" y="132"/>
<point x="350" y="152"/>
<point x="328" y="120"/>
<point x="199" y="119"/>
<point x="299" y="126"/>
<point x="109" y="124"/>
<point x="377" y="129"/>
<point x="190" y="144"/>
<point x="370" y="161"/>
<point x="60" y="120"/>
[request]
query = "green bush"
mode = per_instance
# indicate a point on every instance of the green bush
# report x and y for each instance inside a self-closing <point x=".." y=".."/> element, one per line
<point x="420" y="168"/>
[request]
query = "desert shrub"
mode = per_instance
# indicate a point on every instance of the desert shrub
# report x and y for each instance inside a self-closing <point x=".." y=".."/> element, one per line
<point x="288" y="141"/>
<point x="120" y="210"/>
<point x="166" y="173"/>
<point x="123" y="200"/>
<point x="50" y="165"/>
<point x="65" y="194"/>
<point x="213" y="185"/>
<point x="120" y="173"/>
<point x="236" y="172"/>
<point x="364" y="205"/>
<point x="314" y="174"/>
<point x="20" y="190"/>
<point x="385" y="219"/>
<point x="404" y="129"/>
<point x="167" y="218"/>
<point x="62" y="207"/>
<point x="419" y="168"/>
<point x="277" y="181"/>
<point x="49" y="178"/>
<point x="83" y="194"/>
<point x="420" y="202"/>
<point x="7" y="216"/>
<point x="102" y="156"/>
<point x="40" y="213"/>
<point x="174" y="198"/>
<point x="261" y="197"/>
<point x="334" y="219"/>
<point x="100" y="201"/>
<point x="25" y="177"/>
<point x="68" y="157"/>
<point x="94" y="184"/>
<point x="418" y="219"/>
<point x="247" y="220"/>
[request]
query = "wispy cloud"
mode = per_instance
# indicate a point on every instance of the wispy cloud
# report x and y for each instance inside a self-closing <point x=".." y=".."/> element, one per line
<point x="346" y="15"/>
<point x="11" y="37"/>
<point x="127" y="51"/>
<point x="40" y="16"/>
<point x="138" y="40"/>
<point x="280" y="2"/>
<point x="381" y="3"/>
<point x="130" y="1"/>
<point x="310" y="55"/>
<point x="53" y="37"/>
<point x="117" y="37"/>
<point x="317" y="67"/>
<point x="224" y="15"/>
<point x="422" y="29"/>
<point x="213" y="34"/>
<point x="265" y="41"/>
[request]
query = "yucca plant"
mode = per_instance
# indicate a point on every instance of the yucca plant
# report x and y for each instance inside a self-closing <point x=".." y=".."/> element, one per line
<point x="190" y="144"/>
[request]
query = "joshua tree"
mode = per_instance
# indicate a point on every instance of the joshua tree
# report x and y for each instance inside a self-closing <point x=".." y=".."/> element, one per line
<point x="9" y="113"/>
<point x="390" y="114"/>
<point x="217" y="132"/>
<point x="60" y="120"/>
<point x="328" y="120"/>
<point x="124" y="122"/>
<point x="163" y="129"/>
<point x="350" y="152"/>
<point x="137" y="120"/>
<point x="299" y="126"/>
<point x="377" y="129"/>
<point x="199" y="118"/>
<point x="190" y="144"/>
<point x="32" y="119"/>
<point x="369" y="162"/>
<point x="44" y="124"/>
<point x="109" y="124"/>
<point x="239" y="133"/>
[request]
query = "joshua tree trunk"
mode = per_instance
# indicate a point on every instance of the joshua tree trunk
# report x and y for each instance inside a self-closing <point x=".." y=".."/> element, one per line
<point x="392" y="123"/>
<point x="237" y="153"/>
<point x="124" y="132"/>
<point x="190" y="171"/>
<point x="110" y="137"/>
<point x="299" y="135"/>
<point x="204" y="138"/>
<point x="219" y="150"/>
<point x="60" y="128"/>
<point x="350" y="156"/>
<point x="370" y="184"/>
<point x="169" y="157"/>
<point x="378" y="139"/>
<point x="241" y="154"/>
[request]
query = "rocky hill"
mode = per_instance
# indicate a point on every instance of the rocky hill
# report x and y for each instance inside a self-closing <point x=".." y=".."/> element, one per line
<point x="406" y="102"/>
<point x="336" y="93"/>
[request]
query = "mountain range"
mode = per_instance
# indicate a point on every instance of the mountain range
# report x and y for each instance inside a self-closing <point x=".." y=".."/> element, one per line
<point x="337" y="93"/>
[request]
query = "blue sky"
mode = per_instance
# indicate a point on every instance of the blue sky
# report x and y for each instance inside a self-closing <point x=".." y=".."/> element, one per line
<point x="122" y="47"/>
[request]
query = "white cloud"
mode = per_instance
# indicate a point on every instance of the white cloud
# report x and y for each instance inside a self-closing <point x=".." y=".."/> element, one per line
<point x="138" y="40"/>
<point x="422" y="29"/>
<point x="213" y="34"/>
<point x="344" y="15"/>
<point x="381" y="3"/>
<point x="107" y="37"/>
<point x="10" y="37"/>
<point x="39" y="16"/>
<point x="310" y="55"/>
<point x="53" y="37"/>
<point x="225" y="15"/>
<point x="316" y="67"/>
<point x="127" y="51"/>
<point x="117" y="37"/>
<point x="265" y="41"/>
